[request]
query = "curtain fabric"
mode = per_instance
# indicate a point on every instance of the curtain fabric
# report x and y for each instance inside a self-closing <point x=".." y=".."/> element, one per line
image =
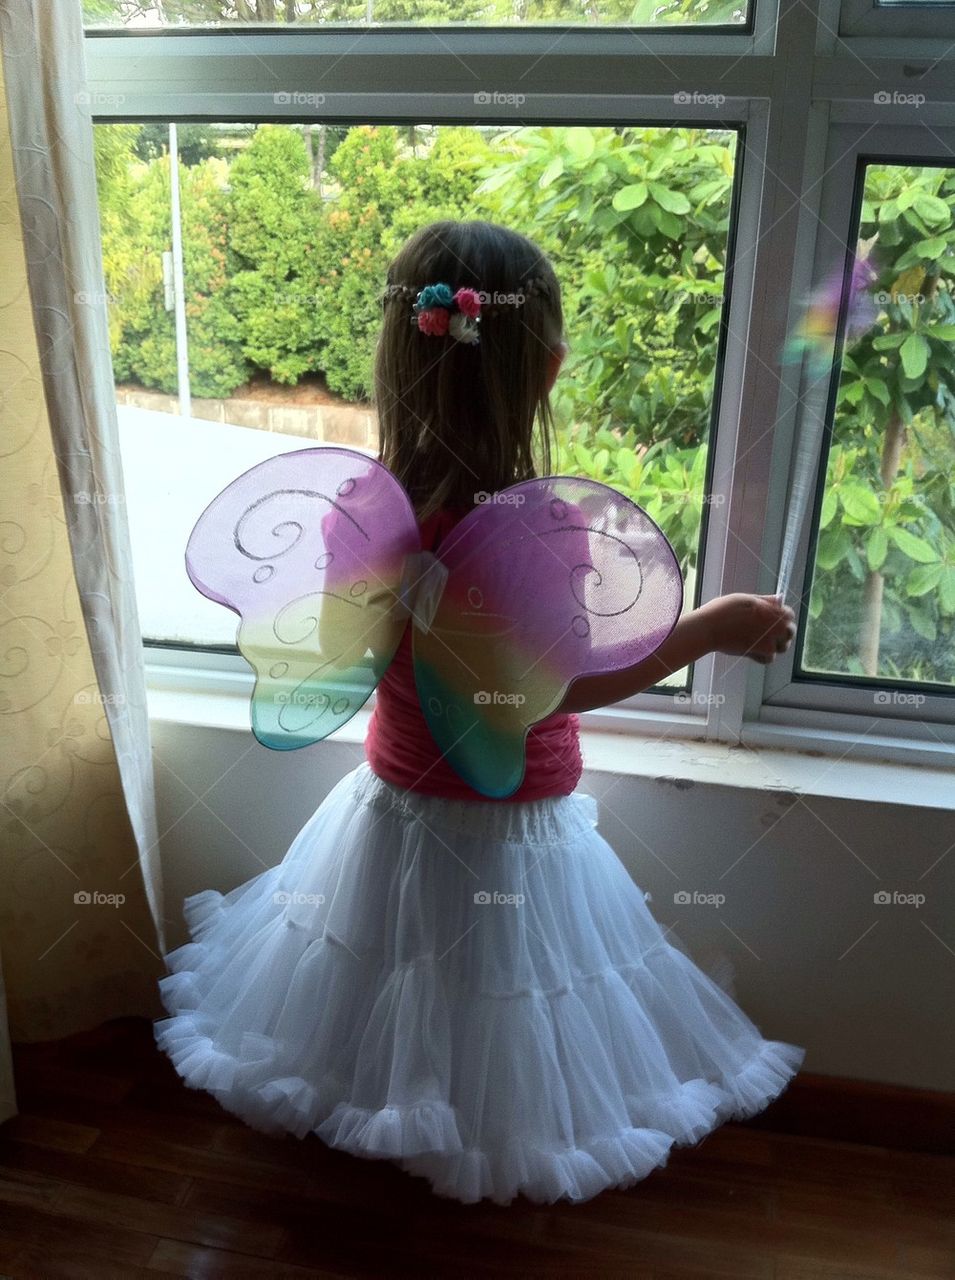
<point x="81" y="929"/>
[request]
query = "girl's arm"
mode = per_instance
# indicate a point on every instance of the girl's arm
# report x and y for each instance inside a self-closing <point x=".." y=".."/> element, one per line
<point x="757" y="627"/>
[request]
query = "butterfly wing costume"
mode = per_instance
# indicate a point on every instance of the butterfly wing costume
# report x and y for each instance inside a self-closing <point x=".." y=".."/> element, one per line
<point x="318" y="551"/>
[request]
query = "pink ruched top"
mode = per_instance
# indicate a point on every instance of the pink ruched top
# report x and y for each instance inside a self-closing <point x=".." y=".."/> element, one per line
<point x="399" y="746"/>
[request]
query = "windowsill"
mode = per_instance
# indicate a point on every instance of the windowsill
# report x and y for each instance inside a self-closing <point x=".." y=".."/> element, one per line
<point x="680" y="761"/>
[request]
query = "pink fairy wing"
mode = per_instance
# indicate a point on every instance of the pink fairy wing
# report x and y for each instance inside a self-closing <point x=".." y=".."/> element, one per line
<point x="554" y="579"/>
<point x="309" y="549"/>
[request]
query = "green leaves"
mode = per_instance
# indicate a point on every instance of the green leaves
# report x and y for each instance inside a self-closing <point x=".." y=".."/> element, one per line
<point x="914" y="352"/>
<point x="630" y="197"/>
<point x="912" y="546"/>
<point x="580" y="143"/>
<point x="876" y="548"/>
<point x="923" y="579"/>
<point x="933" y="209"/>
<point x="860" y="504"/>
<point x="553" y="171"/>
<point x="672" y="201"/>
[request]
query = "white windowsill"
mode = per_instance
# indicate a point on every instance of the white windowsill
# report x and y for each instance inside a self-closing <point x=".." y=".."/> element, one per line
<point x="677" y="760"/>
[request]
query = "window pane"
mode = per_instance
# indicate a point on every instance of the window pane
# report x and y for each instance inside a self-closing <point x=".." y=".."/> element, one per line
<point x="883" y="589"/>
<point x="287" y="233"/>
<point x="223" y="13"/>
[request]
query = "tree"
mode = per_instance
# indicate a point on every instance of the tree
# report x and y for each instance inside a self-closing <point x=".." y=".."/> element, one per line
<point x="883" y="589"/>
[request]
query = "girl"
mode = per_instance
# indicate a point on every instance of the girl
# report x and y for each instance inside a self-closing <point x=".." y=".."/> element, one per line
<point x="473" y="988"/>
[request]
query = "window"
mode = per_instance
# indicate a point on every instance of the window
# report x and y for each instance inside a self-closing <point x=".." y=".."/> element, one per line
<point x="883" y="587"/>
<point x="225" y="13"/>
<point x="287" y="231"/>
<point x="779" y="143"/>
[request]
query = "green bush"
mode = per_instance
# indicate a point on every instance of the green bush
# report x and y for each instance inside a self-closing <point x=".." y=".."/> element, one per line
<point x="275" y="223"/>
<point x="282" y="281"/>
<point x="388" y="190"/>
<point x="143" y="331"/>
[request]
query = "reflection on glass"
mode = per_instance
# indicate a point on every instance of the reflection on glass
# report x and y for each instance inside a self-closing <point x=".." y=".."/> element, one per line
<point x="883" y="587"/>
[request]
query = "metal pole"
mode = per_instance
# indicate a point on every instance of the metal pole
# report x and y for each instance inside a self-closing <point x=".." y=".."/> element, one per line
<point x="182" y="341"/>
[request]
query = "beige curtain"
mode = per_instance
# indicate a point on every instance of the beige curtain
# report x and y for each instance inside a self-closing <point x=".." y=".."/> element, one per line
<point x="80" y="896"/>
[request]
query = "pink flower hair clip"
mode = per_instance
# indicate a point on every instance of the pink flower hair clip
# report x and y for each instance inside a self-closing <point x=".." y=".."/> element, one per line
<point x="437" y="311"/>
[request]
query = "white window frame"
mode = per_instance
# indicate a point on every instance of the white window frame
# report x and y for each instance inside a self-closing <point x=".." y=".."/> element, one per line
<point x="790" y="107"/>
<point x="903" y="20"/>
<point x="850" y="145"/>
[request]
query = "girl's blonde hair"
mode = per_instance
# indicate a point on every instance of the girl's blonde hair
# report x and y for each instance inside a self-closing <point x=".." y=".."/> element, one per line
<point x="457" y="419"/>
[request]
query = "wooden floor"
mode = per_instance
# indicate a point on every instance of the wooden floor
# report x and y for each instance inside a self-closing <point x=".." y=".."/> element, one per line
<point x="114" y="1168"/>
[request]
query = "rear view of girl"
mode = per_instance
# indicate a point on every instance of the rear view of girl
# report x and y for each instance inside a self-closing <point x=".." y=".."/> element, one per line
<point x="474" y="988"/>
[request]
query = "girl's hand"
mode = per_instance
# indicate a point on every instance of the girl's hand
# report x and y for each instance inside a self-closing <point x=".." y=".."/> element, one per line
<point x="757" y="627"/>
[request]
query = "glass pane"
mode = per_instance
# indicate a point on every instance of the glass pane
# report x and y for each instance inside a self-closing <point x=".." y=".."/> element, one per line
<point x="287" y="231"/>
<point x="883" y="589"/>
<point x="224" y="13"/>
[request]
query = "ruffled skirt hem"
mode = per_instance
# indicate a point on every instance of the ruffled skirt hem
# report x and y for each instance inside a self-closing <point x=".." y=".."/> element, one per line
<point x="483" y="1071"/>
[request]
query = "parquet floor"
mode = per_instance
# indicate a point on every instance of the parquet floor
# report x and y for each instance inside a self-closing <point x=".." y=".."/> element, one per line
<point x="115" y="1169"/>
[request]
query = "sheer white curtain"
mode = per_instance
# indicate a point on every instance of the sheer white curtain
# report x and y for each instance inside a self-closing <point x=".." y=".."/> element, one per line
<point x="63" y="497"/>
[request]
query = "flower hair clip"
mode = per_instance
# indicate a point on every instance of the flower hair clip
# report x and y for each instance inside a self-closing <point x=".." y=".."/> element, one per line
<point x="437" y="311"/>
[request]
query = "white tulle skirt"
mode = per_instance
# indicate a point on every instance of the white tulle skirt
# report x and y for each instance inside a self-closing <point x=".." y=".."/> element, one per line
<point x="475" y="990"/>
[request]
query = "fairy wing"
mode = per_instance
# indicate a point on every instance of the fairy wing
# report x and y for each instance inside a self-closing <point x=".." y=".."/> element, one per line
<point x="554" y="579"/>
<point x="310" y="549"/>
